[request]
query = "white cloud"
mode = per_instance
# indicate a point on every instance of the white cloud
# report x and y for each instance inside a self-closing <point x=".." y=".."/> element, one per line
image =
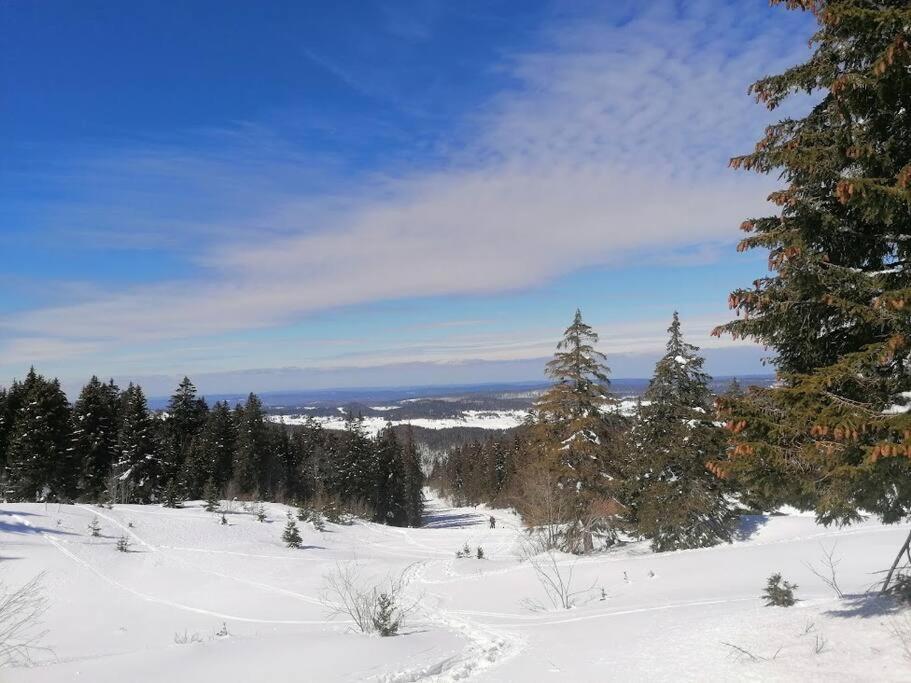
<point x="610" y="146"/>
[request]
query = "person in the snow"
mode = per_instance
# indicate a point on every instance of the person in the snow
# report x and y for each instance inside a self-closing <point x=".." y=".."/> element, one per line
<point x="493" y="522"/>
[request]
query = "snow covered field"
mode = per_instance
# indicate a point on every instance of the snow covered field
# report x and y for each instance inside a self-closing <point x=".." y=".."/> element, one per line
<point x="481" y="419"/>
<point x="113" y="616"/>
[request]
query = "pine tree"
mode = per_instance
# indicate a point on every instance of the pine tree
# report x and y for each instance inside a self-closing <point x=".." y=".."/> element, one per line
<point x="211" y="495"/>
<point x="253" y="457"/>
<point x="671" y="496"/>
<point x="309" y="460"/>
<point x="834" y="433"/>
<point x="40" y="464"/>
<point x="577" y="430"/>
<point x="212" y="451"/>
<point x="186" y="416"/>
<point x="414" y="481"/>
<point x="8" y="408"/>
<point x="389" y="496"/>
<point x="94" y="437"/>
<point x="291" y="536"/>
<point x="137" y="466"/>
<point x="170" y="496"/>
<point x="352" y="467"/>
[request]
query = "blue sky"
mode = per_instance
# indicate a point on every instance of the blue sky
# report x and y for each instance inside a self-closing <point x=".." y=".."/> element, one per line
<point x="251" y="192"/>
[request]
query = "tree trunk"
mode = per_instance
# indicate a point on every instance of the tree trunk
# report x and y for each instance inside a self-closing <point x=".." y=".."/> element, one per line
<point x="898" y="558"/>
<point x="588" y="544"/>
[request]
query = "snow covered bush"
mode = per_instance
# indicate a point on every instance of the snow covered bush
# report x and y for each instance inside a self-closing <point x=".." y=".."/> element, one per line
<point x="123" y="544"/>
<point x="387" y="618"/>
<point x="291" y="536"/>
<point x="95" y="527"/>
<point x="778" y="592"/>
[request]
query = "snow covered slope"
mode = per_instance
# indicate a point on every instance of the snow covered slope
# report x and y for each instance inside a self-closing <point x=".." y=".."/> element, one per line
<point x="672" y="616"/>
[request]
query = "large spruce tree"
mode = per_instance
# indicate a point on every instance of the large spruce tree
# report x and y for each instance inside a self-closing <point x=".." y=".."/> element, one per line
<point x="137" y="469"/>
<point x="577" y="430"/>
<point x="186" y="416"/>
<point x="673" y="499"/>
<point x="834" y="433"/>
<point x="40" y="465"/>
<point x="211" y="456"/>
<point x="414" y="480"/>
<point x="253" y="465"/>
<point x="388" y="497"/>
<point x="94" y="437"/>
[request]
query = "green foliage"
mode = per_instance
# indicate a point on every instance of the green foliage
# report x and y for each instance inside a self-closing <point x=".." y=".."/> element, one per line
<point x="291" y="536"/>
<point x="171" y="497"/>
<point x="834" y="433"/>
<point x="576" y="434"/>
<point x="40" y="465"/>
<point x="137" y="467"/>
<point x="670" y="496"/>
<point x="386" y="618"/>
<point x="212" y="496"/>
<point x="778" y="592"/>
<point x="901" y="588"/>
<point x="94" y="436"/>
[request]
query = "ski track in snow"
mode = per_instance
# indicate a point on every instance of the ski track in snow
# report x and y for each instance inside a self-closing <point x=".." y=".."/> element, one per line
<point x="485" y="638"/>
<point x="487" y="647"/>
<point x="170" y="603"/>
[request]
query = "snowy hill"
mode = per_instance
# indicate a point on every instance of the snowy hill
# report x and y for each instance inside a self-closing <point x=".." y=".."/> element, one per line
<point x="675" y="616"/>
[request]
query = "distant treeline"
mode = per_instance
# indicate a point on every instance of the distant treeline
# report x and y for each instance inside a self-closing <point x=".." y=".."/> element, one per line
<point x="109" y="447"/>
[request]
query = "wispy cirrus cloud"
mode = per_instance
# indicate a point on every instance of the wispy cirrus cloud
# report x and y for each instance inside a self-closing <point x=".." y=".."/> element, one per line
<point x="608" y="146"/>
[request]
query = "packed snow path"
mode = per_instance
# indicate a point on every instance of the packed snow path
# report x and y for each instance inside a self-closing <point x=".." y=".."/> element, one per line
<point x="690" y="615"/>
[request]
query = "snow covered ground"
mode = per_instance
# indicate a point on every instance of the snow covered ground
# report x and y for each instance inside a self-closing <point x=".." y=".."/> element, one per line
<point x="671" y="616"/>
<point x="481" y="419"/>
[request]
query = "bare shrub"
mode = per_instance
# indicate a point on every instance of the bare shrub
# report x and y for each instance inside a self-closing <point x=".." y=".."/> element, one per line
<point x="379" y="608"/>
<point x="555" y="577"/>
<point x="20" y="615"/>
<point x="187" y="638"/>
<point x="743" y="653"/>
<point x="821" y="644"/>
<point x="828" y="573"/>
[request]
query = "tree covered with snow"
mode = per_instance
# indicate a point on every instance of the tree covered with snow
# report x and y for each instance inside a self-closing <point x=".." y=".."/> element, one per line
<point x="138" y="464"/>
<point x="186" y="416"/>
<point x="95" y="421"/>
<point x="671" y="497"/>
<point x="212" y="452"/>
<point x="39" y="461"/>
<point x="252" y="459"/>
<point x="834" y="433"/>
<point x="413" y="485"/>
<point x="388" y="496"/>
